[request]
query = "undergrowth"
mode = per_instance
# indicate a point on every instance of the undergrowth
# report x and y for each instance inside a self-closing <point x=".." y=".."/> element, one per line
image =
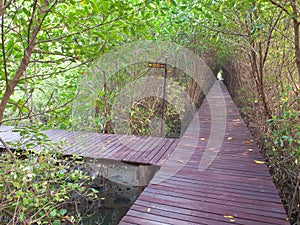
<point x="279" y="141"/>
<point x="38" y="186"/>
<point x="283" y="151"/>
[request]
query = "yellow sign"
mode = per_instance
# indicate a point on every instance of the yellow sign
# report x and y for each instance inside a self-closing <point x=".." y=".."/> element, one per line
<point x="157" y="65"/>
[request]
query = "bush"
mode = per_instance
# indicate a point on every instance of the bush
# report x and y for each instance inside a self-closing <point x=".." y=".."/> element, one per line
<point x="37" y="187"/>
<point x="283" y="151"/>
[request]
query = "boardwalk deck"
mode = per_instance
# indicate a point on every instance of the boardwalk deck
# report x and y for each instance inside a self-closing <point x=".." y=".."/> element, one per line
<point x="233" y="189"/>
<point x="129" y="148"/>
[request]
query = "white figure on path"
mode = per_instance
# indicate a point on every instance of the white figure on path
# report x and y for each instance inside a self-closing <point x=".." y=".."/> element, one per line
<point x="220" y="75"/>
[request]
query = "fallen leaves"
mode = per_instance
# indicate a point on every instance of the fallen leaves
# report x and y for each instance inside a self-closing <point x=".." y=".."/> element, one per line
<point x="229" y="138"/>
<point x="202" y="139"/>
<point x="228" y="217"/>
<point x="149" y="209"/>
<point x="231" y="218"/>
<point x="180" y="161"/>
<point x="259" y="162"/>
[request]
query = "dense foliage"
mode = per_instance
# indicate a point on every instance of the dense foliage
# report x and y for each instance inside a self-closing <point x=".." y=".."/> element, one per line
<point x="46" y="46"/>
<point x="41" y="185"/>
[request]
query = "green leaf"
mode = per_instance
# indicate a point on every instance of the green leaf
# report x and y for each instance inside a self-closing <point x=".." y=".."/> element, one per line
<point x="62" y="212"/>
<point x="95" y="7"/>
<point x="207" y="15"/>
<point x="281" y="143"/>
<point x="151" y="5"/>
<point x="22" y="216"/>
<point x="53" y="213"/>
<point x="173" y="2"/>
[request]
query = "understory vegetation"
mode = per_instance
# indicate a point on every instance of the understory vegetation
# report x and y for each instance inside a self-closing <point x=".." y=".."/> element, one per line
<point x="47" y="47"/>
<point x="41" y="185"/>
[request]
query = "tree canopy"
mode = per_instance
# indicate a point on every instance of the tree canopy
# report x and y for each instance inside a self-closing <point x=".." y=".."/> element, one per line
<point x="47" y="46"/>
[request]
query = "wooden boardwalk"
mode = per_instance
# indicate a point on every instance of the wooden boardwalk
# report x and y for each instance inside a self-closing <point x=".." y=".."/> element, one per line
<point x="129" y="148"/>
<point x="231" y="188"/>
<point x="234" y="189"/>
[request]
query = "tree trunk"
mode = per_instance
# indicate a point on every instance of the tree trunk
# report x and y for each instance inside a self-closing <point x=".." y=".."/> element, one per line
<point x="1" y="8"/>
<point x="11" y="85"/>
<point x="296" y="35"/>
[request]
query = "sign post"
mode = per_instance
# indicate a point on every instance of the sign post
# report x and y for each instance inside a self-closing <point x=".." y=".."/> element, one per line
<point x="160" y="66"/>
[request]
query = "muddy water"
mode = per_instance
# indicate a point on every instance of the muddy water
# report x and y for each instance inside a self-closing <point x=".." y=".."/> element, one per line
<point x="118" y="184"/>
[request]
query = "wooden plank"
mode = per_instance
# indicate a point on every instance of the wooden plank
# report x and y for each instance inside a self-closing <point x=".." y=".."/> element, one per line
<point x="192" y="215"/>
<point x="136" y="220"/>
<point x="112" y="145"/>
<point x="205" y="182"/>
<point x="223" y="176"/>
<point x="141" y="148"/>
<point x="156" y="218"/>
<point x="164" y="153"/>
<point x="249" y="206"/>
<point x="178" y="216"/>
<point x="210" y="207"/>
<point x="224" y="197"/>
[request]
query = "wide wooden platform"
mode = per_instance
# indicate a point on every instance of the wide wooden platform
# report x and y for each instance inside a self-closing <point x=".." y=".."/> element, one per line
<point x="198" y="183"/>
<point x="129" y="148"/>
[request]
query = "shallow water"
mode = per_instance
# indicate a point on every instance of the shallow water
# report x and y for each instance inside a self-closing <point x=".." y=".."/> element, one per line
<point x="119" y="185"/>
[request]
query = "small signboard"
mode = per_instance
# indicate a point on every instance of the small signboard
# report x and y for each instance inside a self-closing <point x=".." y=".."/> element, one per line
<point x="157" y="65"/>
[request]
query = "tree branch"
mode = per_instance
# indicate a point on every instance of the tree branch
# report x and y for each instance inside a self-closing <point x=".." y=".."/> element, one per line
<point x="55" y="72"/>
<point x="31" y="21"/>
<point x="279" y="6"/>
<point x="270" y="37"/>
<point x="3" y="7"/>
<point x="296" y="35"/>
<point x="87" y="29"/>
<point x="41" y="113"/>
<point x="3" y="47"/>
<point x="25" y="60"/>
<point x="7" y="149"/>
<point x="55" y="61"/>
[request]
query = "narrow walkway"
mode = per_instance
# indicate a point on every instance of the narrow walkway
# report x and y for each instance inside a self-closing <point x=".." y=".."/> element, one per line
<point x="234" y="189"/>
<point x="194" y="185"/>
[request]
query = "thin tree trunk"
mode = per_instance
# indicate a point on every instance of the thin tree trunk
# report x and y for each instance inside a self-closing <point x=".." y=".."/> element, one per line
<point x="106" y="110"/>
<point x="11" y="85"/>
<point x="294" y="15"/>
<point x="2" y="8"/>
<point x="7" y="148"/>
<point x="296" y="35"/>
